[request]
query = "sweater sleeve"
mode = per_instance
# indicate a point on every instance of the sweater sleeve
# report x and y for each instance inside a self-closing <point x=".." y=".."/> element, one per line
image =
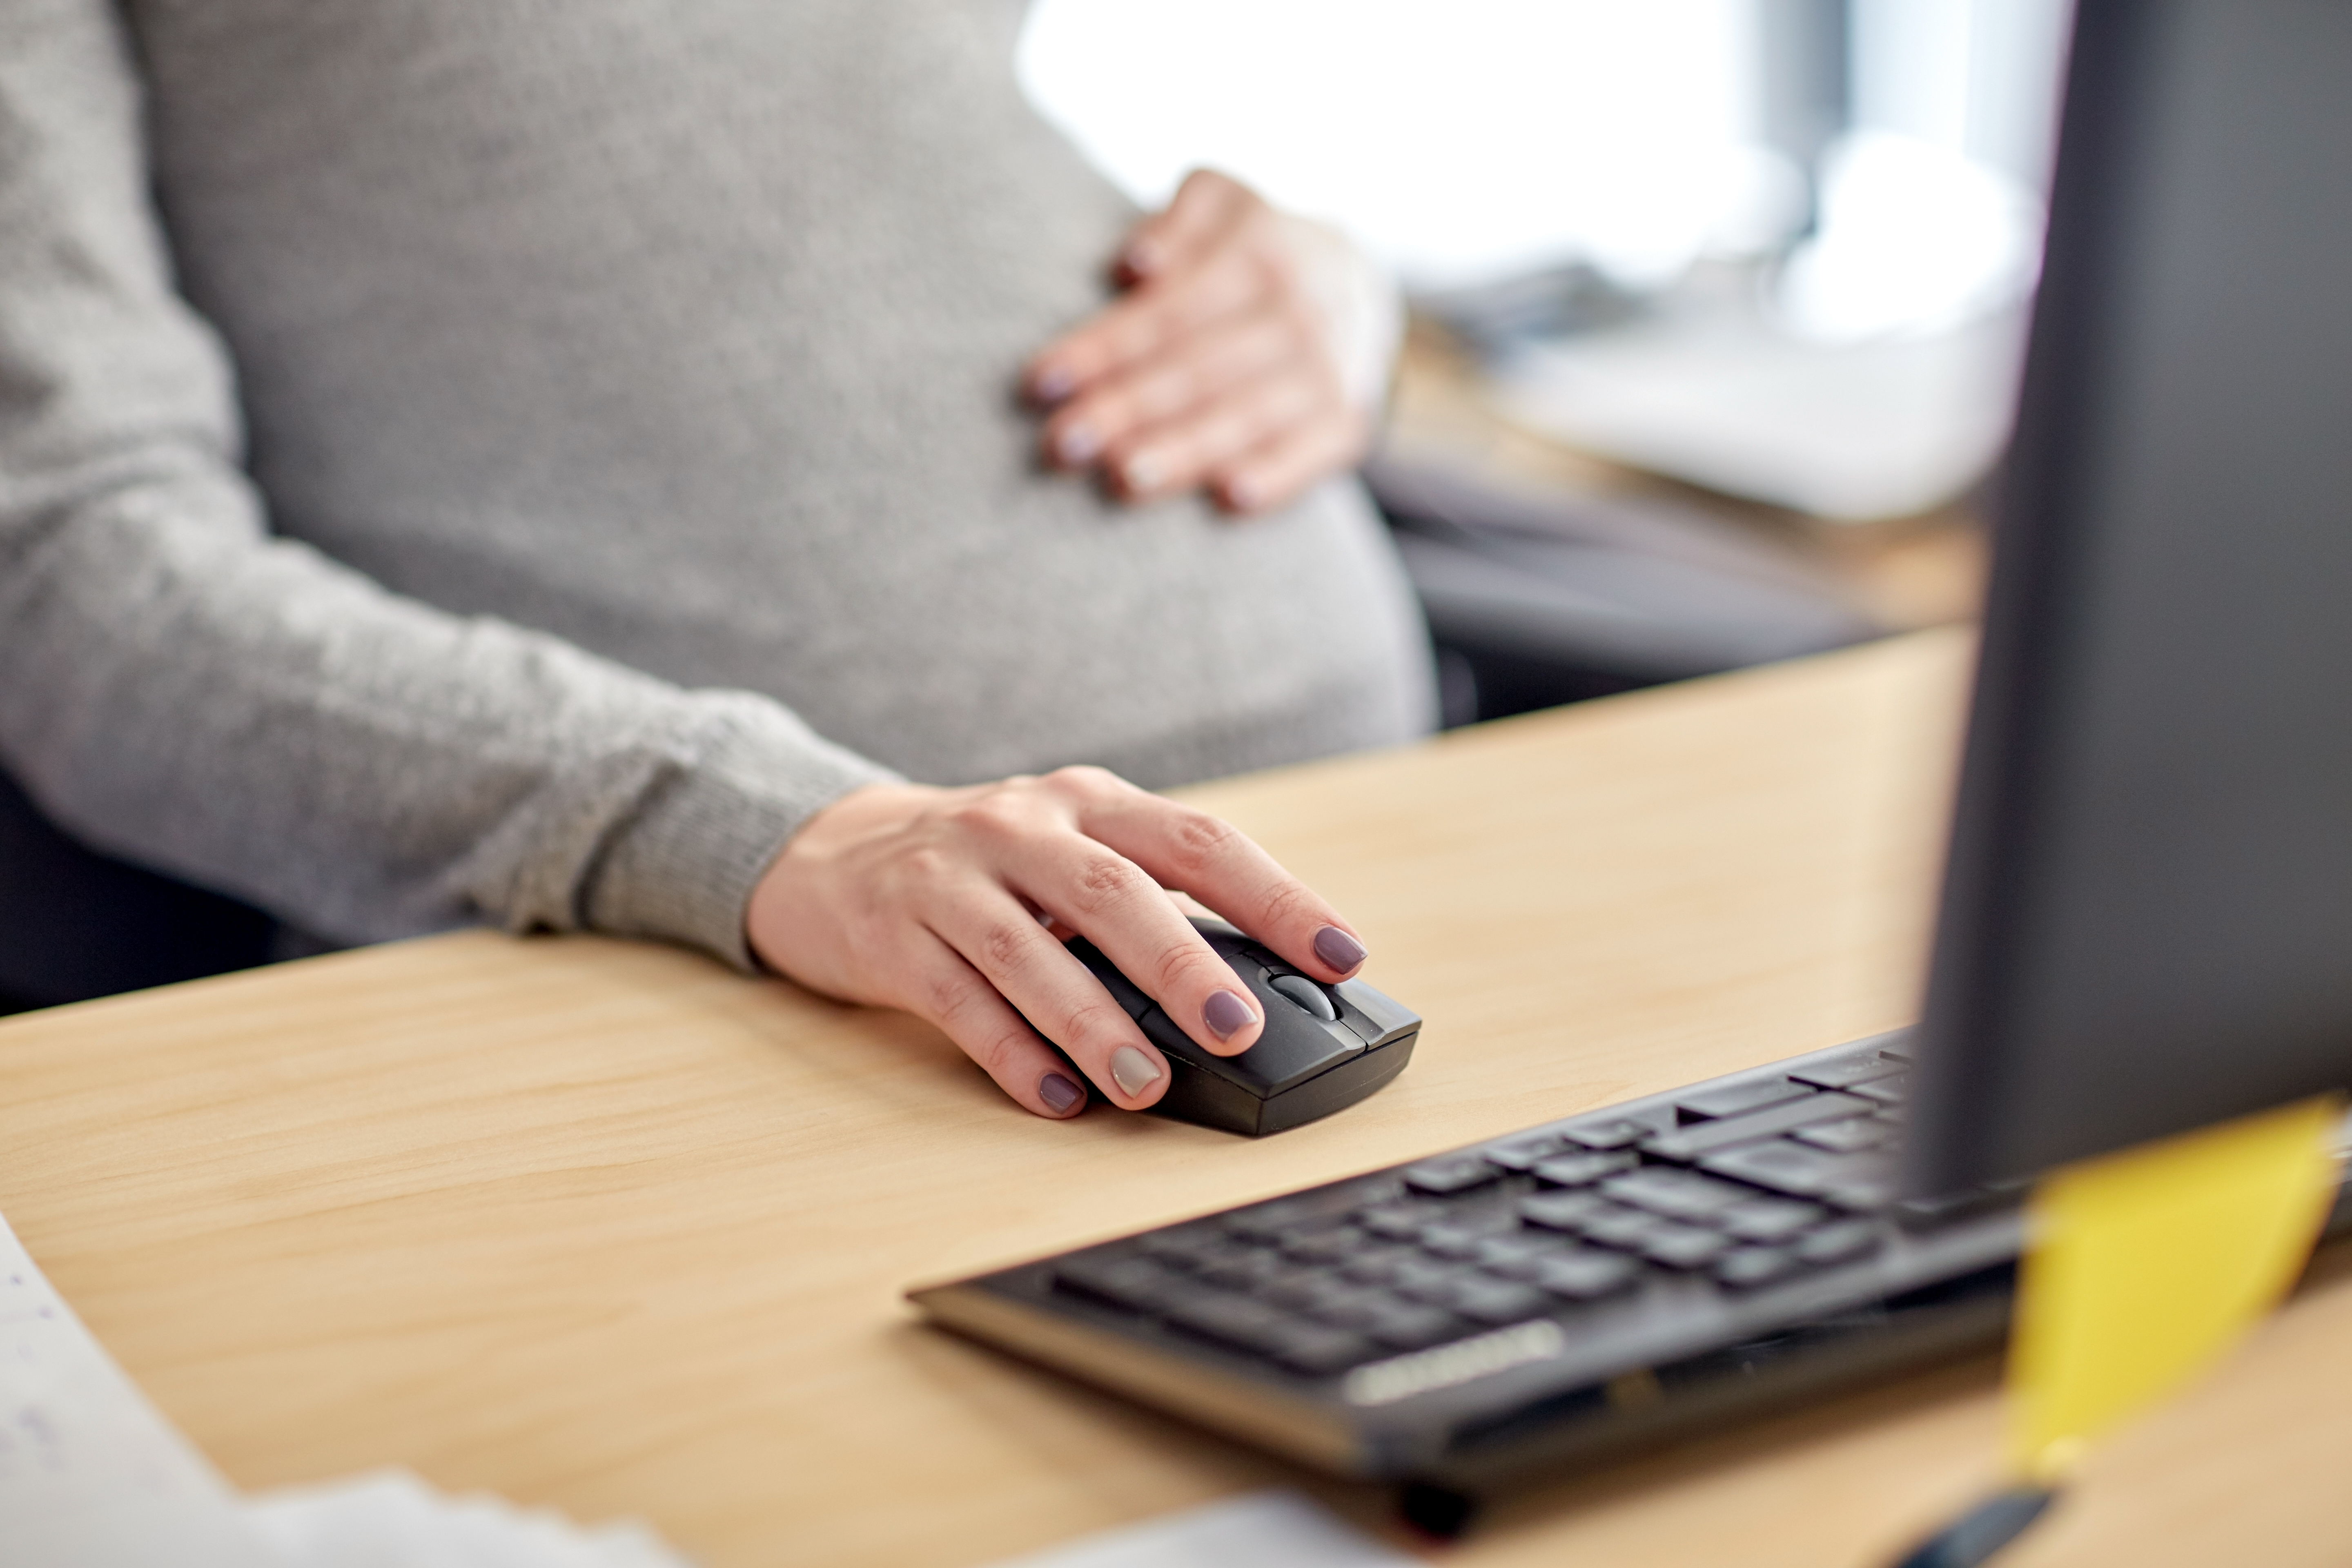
<point x="181" y="687"/>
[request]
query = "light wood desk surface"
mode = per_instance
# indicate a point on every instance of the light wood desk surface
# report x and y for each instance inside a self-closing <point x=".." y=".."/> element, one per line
<point x="608" y="1227"/>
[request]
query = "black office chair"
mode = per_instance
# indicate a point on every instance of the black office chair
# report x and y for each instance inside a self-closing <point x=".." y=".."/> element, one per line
<point x="76" y="924"/>
<point x="1537" y="598"/>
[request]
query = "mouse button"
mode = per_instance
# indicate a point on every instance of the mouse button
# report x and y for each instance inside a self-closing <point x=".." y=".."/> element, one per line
<point x="1161" y="1031"/>
<point x="1307" y="994"/>
<point x="1221" y="935"/>
<point x="1282" y="1056"/>
<point x="1377" y="1020"/>
<point x="1346" y="1039"/>
<point x="1130" y="999"/>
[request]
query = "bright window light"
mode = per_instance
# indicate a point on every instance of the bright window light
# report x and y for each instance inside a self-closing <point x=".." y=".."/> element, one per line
<point x="1459" y="141"/>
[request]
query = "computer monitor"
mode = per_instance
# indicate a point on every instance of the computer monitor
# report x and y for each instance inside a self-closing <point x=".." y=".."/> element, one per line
<point x="2147" y="924"/>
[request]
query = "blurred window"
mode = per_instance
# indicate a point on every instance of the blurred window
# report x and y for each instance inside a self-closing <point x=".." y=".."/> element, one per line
<point x="1465" y="142"/>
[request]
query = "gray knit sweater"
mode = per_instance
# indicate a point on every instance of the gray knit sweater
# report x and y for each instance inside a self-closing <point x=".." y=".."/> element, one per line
<point x="514" y="460"/>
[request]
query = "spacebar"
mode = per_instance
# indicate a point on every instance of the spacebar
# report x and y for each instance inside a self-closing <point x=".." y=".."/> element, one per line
<point x="1690" y="1142"/>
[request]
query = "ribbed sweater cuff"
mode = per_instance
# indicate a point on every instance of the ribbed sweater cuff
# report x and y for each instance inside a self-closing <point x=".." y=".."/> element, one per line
<point x="683" y="866"/>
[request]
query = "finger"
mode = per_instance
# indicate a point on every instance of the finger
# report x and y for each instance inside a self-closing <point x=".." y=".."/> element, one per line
<point x="1142" y="324"/>
<point x="1277" y="471"/>
<point x="1119" y="908"/>
<point x="1179" y="454"/>
<point x="996" y="936"/>
<point x="984" y="1026"/>
<point x="1182" y="376"/>
<point x="1205" y="208"/>
<point x="1222" y="867"/>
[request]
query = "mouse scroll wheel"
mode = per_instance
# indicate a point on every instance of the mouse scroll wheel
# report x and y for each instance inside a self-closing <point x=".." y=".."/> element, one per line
<point x="1307" y="994"/>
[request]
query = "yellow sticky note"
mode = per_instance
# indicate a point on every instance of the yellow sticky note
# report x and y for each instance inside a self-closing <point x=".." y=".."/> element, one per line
<point x="2142" y="1268"/>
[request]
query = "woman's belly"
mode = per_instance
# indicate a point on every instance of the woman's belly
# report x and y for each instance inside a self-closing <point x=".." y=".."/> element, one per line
<point x="689" y="333"/>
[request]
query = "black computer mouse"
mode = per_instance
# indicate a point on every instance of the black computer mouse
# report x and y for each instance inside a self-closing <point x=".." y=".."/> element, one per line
<point x="1323" y="1047"/>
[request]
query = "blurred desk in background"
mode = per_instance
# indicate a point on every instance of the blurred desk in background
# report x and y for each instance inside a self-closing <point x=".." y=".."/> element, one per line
<point x="607" y="1226"/>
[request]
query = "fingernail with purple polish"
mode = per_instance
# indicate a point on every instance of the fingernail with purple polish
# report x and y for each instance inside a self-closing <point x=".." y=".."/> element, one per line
<point x="1059" y="1093"/>
<point x="1338" y="949"/>
<point x="1225" y="1012"/>
<point x="1051" y="385"/>
<point x="1076" y="445"/>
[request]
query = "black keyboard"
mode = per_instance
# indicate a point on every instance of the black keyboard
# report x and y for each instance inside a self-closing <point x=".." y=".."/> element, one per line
<point x="1574" y="1289"/>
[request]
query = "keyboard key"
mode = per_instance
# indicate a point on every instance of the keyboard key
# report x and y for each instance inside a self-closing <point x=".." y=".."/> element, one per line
<point x="1136" y="1283"/>
<point x="1585" y="1275"/>
<point x="1496" y="1301"/>
<point x="1268" y="1222"/>
<point x="1459" y="1241"/>
<point x="1852" y="1072"/>
<point x="1677" y="1194"/>
<point x="1399" y="1222"/>
<point x="1188" y="1247"/>
<point x="1320" y="1246"/>
<point x="1629" y="1229"/>
<point x="1480" y="1221"/>
<point x="1792" y="1168"/>
<point x="1584" y="1167"/>
<point x="1734" y="1098"/>
<point x="1410" y="1326"/>
<point x="1863" y="1194"/>
<point x="1750" y="1266"/>
<point x="1422" y="1281"/>
<point x="1618" y="1135"/>
<point x="1377" y="1266"/>
<point x="1307" y="1290"/>
<point x="1949" y="1206"/>
<point x="1838" y="1243"/>
<point x="1516" y="1257"/>
<point x="1847" y="1137"/>
<point x="1351" y="1307"/>
<point x="1684" y="1246"/>
<point x="1769" y="1219"/>
<point x="1231" y="1319"/>
<point x="1246" y="1271"/>
<point x="1319" y="1350"/>
<point x="1693" y="1143"/>
<point x="1562" y="1210"/>
<point x="1886" y="1091"/>
<point x="1521" y="1154"/>
<point x="1450" y="1175"/>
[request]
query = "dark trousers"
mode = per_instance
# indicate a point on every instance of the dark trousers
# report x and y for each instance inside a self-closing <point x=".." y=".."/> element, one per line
<point x="76" y="924"/>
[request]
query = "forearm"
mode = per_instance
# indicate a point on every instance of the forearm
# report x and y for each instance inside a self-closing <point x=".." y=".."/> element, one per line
<point x="191" y="694"/>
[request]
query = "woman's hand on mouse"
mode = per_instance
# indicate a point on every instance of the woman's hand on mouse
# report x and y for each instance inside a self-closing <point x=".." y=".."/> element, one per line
<point x="1248" y="355"/>
<point x="935" y="900"/>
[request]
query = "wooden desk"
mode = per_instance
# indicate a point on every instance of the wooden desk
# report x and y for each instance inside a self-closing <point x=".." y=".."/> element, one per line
<point x="606" y="1226"/>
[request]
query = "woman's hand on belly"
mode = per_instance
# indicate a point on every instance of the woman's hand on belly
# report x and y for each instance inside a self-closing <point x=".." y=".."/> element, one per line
<point x="937" y="901"/>
<point x="1248" y="355"/>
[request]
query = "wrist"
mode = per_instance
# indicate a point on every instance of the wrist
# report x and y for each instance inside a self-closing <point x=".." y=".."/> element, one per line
<point x="793" y="889"/>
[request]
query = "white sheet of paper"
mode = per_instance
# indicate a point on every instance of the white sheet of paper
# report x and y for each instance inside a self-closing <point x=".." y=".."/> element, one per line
<point x="1259" y="1529"/>
<point x="392" y="1518"/>
<point x="91" y="1476"/>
